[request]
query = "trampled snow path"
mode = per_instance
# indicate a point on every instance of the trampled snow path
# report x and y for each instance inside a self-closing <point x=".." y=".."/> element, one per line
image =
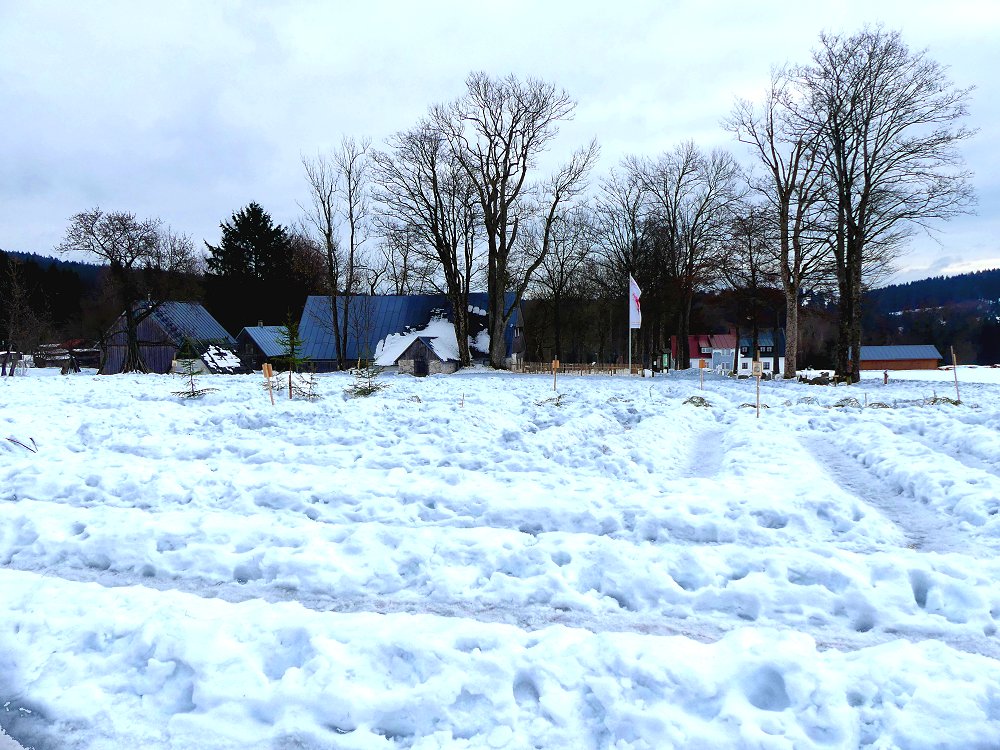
<point x="923" y="529"/>
<point x="702" y="627"/>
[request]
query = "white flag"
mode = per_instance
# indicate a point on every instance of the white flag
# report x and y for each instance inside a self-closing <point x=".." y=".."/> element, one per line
<point x="634" y="313"/>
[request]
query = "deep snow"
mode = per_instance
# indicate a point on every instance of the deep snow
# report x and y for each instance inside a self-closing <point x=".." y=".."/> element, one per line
<point x="475" y="560"/>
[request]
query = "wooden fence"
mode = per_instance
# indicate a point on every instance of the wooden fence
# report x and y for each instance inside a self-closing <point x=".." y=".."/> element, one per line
<point x="565" y="368"/>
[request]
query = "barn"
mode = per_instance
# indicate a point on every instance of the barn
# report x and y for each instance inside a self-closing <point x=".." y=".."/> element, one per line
<point x="167" y="329"/>
<point x="259" y="344"/>
<point x="907" y="357"/>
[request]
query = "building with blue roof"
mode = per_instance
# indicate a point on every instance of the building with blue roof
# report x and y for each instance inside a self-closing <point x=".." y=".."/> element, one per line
<point x="770" y="349"/>
<point x="168" y="328"/>
<point x="259" y="344"/>
<point x="905" y="357"/>
<point x="374" y="318"/>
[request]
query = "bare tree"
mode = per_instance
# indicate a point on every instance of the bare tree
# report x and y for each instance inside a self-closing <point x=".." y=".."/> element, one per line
<point x="339" y="186"/>
<point x="408" y="266"/>
<point x="496" y="132"/>
<point x="750" y="267"/>
<point x="792" y="186"/>
<point x="353" y="162"/>
<point x="621" y="248"/>
<point x="133" y="249"/>
<point x="560" y="275"/>
<point x="321" y="222"/>
<point x="889" y="121"/>
<point x="21" y="325"/>
<point x="430" y="212"/>
<point x="691" y="195"/>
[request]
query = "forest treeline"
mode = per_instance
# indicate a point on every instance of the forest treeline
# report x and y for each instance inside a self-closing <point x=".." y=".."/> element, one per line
<point x="960" y="311"/>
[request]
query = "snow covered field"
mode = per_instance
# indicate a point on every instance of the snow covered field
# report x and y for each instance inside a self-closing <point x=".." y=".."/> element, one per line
<point x="468" y="561"/>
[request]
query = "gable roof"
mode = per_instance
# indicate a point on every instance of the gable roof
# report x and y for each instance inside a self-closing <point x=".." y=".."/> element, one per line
<point x="438" y="336"/>
<point x="189" y="320"/>
<point x="774" y="337"/>
<point x="267" y="339"/>
<point x="911" y="351"/>
<point x="723" y="340"/>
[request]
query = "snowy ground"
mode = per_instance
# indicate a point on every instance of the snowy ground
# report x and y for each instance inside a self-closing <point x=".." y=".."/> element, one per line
<point x="474" y="561"/>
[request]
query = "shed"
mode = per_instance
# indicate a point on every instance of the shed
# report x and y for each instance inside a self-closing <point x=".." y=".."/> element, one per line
<point x="259" y="344"/>
<point x="906" y="357"/>
<point x="422" y="358"/>
<point x="167" y="328"/>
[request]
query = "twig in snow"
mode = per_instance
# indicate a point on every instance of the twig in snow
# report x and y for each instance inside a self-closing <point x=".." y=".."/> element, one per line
<point x="33" y="447"/>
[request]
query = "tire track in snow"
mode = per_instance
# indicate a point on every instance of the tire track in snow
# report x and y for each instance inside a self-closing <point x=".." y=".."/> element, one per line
<point x="527" y="617"/>
<point x="706" y="456"/>
<point x="957" y="453"/>
<point x="926" y="530"/>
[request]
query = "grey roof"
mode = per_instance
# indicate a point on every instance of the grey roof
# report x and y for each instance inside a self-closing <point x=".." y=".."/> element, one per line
<point x="376" y="317"/>
<point x="912" y="351"/>
<point x="267" y="339"/>
<point x="189" y="320"/>
<point x="765" y="337"/>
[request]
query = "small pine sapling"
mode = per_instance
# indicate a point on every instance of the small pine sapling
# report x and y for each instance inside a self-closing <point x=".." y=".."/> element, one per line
<point x="366" y="381"/>
<point x="291" y="343"/>
<point x="187" y="361"/>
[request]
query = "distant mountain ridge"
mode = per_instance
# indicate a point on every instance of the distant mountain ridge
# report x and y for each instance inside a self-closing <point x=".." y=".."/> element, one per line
<point x="88" y="272"/>
<point x="939" y="291"/>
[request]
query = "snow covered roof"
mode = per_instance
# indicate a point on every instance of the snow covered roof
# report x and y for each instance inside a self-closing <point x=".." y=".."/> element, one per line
<point x="219" y="360"/>
<point x="439" y="335"/>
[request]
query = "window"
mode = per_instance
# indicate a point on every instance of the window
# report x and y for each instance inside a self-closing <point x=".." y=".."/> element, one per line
<point x="765" y="350"/>
<point x="726" y="366"/>
<point x="743" y="350"/>
<point x="744" y="365"/>
<point x="706" y="350"/>
<point x="767" y="365"/>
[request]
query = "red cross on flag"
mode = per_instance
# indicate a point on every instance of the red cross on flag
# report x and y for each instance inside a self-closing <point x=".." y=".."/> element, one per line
<point x="634" y="313"/>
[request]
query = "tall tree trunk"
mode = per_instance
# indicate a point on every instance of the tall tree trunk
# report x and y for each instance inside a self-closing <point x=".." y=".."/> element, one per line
<point x="855" y="272"/>
<point x="791" y="333"/>
<point x="133" y="360"/>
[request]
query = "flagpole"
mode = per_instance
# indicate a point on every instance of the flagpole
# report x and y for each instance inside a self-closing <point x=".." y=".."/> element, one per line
<point x="628" y="322"/>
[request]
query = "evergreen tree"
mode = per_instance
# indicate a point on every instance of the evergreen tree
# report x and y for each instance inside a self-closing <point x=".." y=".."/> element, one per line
<point x="253" y="247"/>
<point x="251" y="272"/>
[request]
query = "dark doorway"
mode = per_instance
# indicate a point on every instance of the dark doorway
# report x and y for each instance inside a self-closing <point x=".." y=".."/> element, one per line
<point x="420" y="368"/>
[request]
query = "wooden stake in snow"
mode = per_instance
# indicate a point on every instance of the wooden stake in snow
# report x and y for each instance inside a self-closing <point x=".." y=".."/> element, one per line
<point x="954" y="367"/>
<point x="268" y="372"/>
<point x="758" y="373"/>
<point x="555" y="369"/>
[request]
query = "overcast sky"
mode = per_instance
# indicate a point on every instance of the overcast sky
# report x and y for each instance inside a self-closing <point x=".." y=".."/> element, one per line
<point x="190" y="110"/>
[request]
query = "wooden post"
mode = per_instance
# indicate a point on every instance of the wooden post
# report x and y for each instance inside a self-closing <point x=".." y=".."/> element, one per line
<point x="701" y="373"/>
<point x="758" y="372"/>
<point x="555" y="369"/>
<point x="268" y="372"/>
<point x="954" y="367"/>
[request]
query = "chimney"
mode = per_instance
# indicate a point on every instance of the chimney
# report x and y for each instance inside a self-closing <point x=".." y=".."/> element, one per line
<point x="260" y="323"/>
